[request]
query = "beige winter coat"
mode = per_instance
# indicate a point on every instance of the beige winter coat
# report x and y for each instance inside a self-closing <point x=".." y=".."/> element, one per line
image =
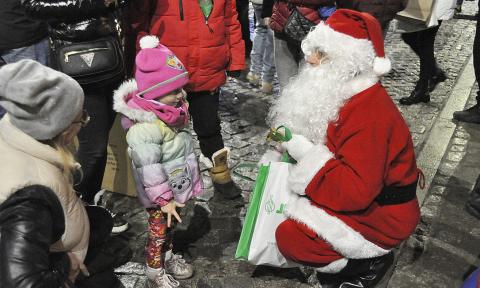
<point x="25" y="161"/>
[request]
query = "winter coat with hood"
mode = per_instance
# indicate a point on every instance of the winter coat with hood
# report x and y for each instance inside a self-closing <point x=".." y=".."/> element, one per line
<point x="207" y="46"/>
<point x="163" y="160"/>
<point x="77" y="20"/>
<point x="26" y="161"/>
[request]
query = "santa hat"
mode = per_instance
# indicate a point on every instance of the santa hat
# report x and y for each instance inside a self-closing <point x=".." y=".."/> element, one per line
<point x="346" y="31"/>
<point x="158" y="70"/>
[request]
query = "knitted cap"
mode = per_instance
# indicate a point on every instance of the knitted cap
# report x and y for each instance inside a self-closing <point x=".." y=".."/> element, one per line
<point x="356" y="26"/>
<point x="40" y="101"/>
<point x="158" y="70"/>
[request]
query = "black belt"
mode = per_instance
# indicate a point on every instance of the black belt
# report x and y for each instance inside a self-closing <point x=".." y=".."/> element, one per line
<point x="392" y="195"/>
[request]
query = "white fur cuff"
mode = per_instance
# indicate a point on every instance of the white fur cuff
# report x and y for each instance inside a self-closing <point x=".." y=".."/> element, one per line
<point x="303" y="172"/>
<point x="334" y="267"/>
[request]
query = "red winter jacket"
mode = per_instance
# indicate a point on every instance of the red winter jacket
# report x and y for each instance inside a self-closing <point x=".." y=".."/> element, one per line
<point x="206" y="47"/>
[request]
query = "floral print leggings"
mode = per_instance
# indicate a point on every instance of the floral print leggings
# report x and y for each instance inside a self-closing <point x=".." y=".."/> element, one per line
<point x="159" y="238"/>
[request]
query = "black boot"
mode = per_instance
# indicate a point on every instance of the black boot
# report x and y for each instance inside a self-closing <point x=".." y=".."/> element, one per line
<point x="437" y="77"/>
<point x="359" y="273"/>
<point x="419" y="94"/>
<point x="473" y="204"/>
<point x="470" y="115"/>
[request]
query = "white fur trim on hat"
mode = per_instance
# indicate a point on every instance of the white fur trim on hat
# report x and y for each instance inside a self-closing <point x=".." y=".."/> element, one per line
<point x="149" y="41"/>
<point x="346" y="241"/>
<point x="381" y="65"/>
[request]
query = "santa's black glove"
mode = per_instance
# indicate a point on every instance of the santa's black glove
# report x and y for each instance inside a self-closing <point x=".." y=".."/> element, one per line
<point x="234" y="74"/>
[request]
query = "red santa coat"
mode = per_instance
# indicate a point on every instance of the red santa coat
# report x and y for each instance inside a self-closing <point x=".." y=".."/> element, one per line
<point x="371" y="147"/>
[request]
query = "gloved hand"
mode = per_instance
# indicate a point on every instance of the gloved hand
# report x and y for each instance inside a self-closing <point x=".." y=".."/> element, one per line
<point x="234" y="74"/>
<point x="298" y="146"/>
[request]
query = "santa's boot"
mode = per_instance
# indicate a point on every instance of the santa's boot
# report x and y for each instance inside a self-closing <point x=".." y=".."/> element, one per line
<point x="359" y="273"/>
<point x="220" y="174"/>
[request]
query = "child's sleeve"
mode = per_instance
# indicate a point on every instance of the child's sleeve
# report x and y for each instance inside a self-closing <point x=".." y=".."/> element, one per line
<point x="145" y="150"/>
<point x="234" y="37"/>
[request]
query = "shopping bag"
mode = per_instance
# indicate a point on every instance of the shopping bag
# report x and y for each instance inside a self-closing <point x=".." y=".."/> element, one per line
<point x="417" y="12"/>
<point x="257" y="242"/>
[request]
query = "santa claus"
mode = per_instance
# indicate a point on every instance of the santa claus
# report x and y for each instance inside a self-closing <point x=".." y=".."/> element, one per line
<point x="355" y="179"/>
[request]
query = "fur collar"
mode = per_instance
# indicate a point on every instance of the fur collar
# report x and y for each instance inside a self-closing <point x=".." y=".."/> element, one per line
<point x="120" y="99"/>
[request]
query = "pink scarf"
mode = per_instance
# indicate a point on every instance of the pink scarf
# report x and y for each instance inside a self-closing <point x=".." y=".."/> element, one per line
<point x="172" y="116"/>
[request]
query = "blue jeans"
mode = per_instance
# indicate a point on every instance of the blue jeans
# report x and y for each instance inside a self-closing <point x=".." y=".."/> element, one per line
<point x="39" y="51"/>
<point x="262" y="62"/>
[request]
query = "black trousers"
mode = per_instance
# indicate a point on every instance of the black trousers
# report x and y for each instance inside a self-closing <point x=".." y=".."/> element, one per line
<point x="206" y="123"/>
<point x="93" y="140"/>
<point x="242" y="10"/>
<point x="476" y="54"/>
<point x="422" y="43"/>
<point x="104" y="254"/>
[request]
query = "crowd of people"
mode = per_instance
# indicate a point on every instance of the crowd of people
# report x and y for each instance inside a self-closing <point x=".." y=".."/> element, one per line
<point x="70" y="66"/>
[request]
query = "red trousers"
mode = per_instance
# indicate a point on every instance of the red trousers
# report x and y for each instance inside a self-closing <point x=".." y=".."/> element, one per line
<point x="302" y="245"/>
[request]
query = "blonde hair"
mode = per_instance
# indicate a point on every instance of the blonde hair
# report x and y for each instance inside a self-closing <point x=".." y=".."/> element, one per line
<point x="65" y="151"/>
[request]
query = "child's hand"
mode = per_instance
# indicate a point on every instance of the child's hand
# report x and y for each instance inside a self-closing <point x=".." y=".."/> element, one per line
<point x="171" y="209"/>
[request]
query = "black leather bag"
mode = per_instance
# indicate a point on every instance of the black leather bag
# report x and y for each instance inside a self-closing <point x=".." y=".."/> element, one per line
<point x="297" y="26"/>
<point x="92" y="63"/>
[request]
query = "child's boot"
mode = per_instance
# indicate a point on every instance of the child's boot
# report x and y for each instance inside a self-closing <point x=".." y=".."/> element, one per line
<point x="159" y="278"/>
<point x="177" y="267"/>
<point x="220" y="174"/>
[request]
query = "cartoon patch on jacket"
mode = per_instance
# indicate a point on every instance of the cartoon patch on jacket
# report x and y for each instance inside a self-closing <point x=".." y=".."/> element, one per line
<point x="179" y="179"/>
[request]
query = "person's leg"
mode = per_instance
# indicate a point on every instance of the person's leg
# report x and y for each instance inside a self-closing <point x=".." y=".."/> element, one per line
<point x="286" y="60"/>
<point x="206" y="123"/>
<point x="256" y="57"/>
<point x="422" y="43"/>
<point x="105" y="253"/>
<point x="93" y="140"/>
<point x="242" y="10"/>
<point x="472" y="114"/>
<point x="157" y="235"/>
<point x="268" y="71"/>
<point x="298" y="243"/>
<point x="38" y="52"/>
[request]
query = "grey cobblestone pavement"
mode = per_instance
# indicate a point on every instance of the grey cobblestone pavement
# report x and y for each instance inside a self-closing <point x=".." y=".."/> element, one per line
<point x="211" y="227"/>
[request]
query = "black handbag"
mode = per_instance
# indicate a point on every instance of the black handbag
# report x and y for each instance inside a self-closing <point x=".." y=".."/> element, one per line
<point x="297" y="26"/>
<point x="92" y="63"/>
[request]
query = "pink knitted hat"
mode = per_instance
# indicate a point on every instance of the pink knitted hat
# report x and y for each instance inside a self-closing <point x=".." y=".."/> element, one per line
<point x="158" y="70"/>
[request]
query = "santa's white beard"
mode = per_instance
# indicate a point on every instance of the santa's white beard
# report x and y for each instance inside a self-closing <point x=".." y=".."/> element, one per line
<point x="311" y="101"/>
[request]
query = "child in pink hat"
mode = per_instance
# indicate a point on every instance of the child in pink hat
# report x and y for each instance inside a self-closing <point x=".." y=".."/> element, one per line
<point x="164" y="165"/>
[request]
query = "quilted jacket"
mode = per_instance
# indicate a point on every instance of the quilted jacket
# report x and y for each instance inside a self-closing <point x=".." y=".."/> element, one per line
<point x="164" y="164"/>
